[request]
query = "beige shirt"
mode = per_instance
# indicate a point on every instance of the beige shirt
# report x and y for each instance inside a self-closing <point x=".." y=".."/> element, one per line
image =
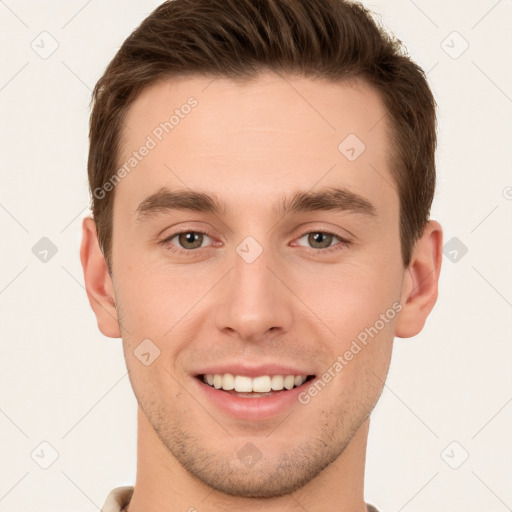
<point x="119" y="497"/>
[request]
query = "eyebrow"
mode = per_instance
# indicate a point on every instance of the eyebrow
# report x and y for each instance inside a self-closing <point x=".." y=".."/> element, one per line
<point x="328" y="199"/>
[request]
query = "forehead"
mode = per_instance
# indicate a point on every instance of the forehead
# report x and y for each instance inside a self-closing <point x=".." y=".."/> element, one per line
<point x="243" y="140"/>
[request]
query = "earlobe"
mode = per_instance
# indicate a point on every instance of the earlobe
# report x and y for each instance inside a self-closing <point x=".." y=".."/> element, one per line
<point x="420" y="287"/>
<point x="98" y="283"/>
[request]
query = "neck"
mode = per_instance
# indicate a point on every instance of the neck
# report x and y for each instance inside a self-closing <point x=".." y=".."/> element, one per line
<point x="163" y="485"/>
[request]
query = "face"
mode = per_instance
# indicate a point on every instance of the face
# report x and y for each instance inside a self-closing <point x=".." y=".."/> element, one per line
<point x="291" y="266"/>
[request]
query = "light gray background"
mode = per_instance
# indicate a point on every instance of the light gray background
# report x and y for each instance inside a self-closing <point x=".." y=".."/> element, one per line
<point x="65" y="384"/>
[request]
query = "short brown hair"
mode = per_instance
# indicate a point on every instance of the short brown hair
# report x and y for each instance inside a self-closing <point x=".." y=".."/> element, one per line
<point x="332" y="39"/>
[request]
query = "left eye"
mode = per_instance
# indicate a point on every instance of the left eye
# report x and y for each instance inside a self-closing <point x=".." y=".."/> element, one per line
<point x="320" y="239"/>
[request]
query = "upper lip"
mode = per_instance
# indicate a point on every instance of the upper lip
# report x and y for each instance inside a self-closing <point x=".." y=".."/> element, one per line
<point x="254" y="370"/>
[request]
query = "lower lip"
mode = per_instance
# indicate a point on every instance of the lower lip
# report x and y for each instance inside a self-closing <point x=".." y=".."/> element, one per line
<point x="254" y="409"/>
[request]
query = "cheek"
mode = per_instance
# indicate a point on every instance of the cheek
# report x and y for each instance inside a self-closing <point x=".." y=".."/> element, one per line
<point x="353" y="296"/>
<point x="158" y="317"/>
<point x="154" y="299"/>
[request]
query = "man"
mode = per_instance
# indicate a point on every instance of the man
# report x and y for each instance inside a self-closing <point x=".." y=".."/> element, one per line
<point x="261" y="175"/>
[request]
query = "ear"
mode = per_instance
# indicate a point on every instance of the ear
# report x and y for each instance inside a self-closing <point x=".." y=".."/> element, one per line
<point x="98" y="283"/>
<point x="420" y="287"/>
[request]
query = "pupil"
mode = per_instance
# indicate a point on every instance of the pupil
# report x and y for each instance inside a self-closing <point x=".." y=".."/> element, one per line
<point x="319" y="237"/>
<point x="190" y="238"/>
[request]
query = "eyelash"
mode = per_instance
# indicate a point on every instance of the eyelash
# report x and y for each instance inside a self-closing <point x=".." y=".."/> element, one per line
<point x="343" y="242"/>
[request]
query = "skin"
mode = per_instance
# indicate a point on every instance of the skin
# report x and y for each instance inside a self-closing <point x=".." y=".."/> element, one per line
<point x="249" y="144"/>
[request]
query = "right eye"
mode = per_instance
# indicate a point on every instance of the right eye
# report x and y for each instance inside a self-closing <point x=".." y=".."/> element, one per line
<point x="186" y="241"/>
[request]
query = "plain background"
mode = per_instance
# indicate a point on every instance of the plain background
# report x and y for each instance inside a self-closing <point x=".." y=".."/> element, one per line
<point x="62" y="383"/>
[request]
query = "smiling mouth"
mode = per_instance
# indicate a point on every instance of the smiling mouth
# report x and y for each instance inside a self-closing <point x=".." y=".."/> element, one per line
<point x="253" y="387"/>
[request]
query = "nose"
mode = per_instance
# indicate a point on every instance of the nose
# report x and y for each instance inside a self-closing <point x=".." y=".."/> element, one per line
<point x="255" y="301"/>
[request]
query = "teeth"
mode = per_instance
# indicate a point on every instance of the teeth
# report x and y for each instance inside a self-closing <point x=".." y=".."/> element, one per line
<point x="228" y="382"/>
<point x="242" y="384"/>
<point x="260" y="384"/>
<point x="217" y="381"/>
<point x="289" y="381"/>
<point x="277" y="382"/>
